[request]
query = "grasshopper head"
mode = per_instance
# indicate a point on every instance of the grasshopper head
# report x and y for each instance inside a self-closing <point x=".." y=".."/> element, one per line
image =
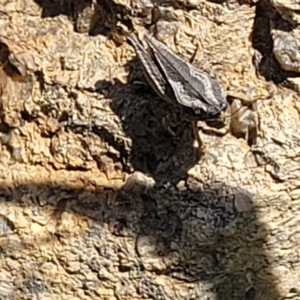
<point x="217" y="117"/>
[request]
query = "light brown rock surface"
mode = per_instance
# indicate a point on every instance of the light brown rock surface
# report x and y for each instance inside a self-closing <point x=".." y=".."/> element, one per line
<point x="286" y="49"/>
<point x="98" y="201"/>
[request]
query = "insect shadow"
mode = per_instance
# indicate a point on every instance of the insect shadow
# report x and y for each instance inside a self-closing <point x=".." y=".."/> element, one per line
<point x="224" y="266"/>
<point x="154" y="150"/>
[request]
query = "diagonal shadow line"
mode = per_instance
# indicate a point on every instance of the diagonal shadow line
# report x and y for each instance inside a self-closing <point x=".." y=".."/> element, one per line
<point x="166" y="221"/>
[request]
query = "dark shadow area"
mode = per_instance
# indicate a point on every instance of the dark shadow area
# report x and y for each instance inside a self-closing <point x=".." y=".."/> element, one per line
<point x="93" y="17"/>
<point x="267" y="65"/>
<point x="197" y="233"/>
<point x="55" y="8"/>
<point x="154" y="150"/>
<point x="9" y="64"/>
<point x="194" y="235"/>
